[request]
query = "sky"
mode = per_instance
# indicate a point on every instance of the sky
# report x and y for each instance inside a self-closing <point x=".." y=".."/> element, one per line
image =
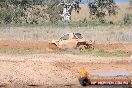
<point x="114" y="0"/>
<point x="121" y="0"/>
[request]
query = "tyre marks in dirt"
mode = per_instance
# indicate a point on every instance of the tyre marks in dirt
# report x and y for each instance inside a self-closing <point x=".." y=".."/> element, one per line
<point x="43" y="45"/>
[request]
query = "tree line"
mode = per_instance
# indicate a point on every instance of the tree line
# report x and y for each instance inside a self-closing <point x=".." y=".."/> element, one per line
<point x="40" y="11"/>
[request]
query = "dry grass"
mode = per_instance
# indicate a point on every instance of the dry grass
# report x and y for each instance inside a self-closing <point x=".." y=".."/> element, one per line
<point x="98" y="33"/>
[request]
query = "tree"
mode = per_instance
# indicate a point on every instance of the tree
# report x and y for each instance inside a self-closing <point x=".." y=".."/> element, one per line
<point x="98" y="8"/>
<point x="37" y="11"/>
<point x="130" y="3"/>
<point x="53" y="11"/>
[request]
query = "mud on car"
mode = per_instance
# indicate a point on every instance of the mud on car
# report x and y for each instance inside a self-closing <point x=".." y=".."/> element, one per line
<point x="71" y="41"/>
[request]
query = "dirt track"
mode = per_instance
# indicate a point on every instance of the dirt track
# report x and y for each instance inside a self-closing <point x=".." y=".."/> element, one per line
<point x="23" y="45"/>
<point x="43" y="45"/>
<point x="55" y="70"/>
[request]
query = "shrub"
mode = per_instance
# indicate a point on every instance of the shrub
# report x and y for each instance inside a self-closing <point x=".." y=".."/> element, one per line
<point x="127" y="19"/>
<point x="102" y="20"/>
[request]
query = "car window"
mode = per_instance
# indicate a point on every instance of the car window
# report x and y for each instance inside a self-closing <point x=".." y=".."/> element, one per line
<point x="78" y="35"/>
<point x="74" y="37"/>
<point x="65" y="37"/>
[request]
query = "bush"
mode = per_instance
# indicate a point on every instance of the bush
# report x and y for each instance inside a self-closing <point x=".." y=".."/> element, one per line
<point x="8" y="15"/>
<point x="102" y="20"/>
<point x="127" y="19"/>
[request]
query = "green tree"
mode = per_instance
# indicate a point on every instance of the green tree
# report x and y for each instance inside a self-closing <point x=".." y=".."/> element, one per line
<point x="53" y="10"/>
<point x="130" y="3"/>
<point x="100" y="8"/>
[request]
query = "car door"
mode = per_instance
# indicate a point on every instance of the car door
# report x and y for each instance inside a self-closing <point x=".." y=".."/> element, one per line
<point x="63" y="42"/>
<point x="72" y="41"/>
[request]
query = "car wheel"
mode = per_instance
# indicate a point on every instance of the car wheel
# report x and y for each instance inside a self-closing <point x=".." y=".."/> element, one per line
<point x="81" y="47"/>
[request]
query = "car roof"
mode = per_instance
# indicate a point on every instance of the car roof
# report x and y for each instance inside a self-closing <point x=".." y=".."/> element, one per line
<point x="74" y="33"/>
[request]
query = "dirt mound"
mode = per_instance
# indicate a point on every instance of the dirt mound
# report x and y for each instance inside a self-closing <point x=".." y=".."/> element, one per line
<point x="112" y="47"/>
<point x="44" y="46"/>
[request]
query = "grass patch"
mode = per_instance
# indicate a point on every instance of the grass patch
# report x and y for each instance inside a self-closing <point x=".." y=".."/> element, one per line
<point x="104" y="53"/>
<point x="100" y="53"/>
<point x="22" y="52"/>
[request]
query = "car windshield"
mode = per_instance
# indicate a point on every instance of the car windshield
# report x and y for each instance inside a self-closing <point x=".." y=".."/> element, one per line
<point x="78" y="35"/>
